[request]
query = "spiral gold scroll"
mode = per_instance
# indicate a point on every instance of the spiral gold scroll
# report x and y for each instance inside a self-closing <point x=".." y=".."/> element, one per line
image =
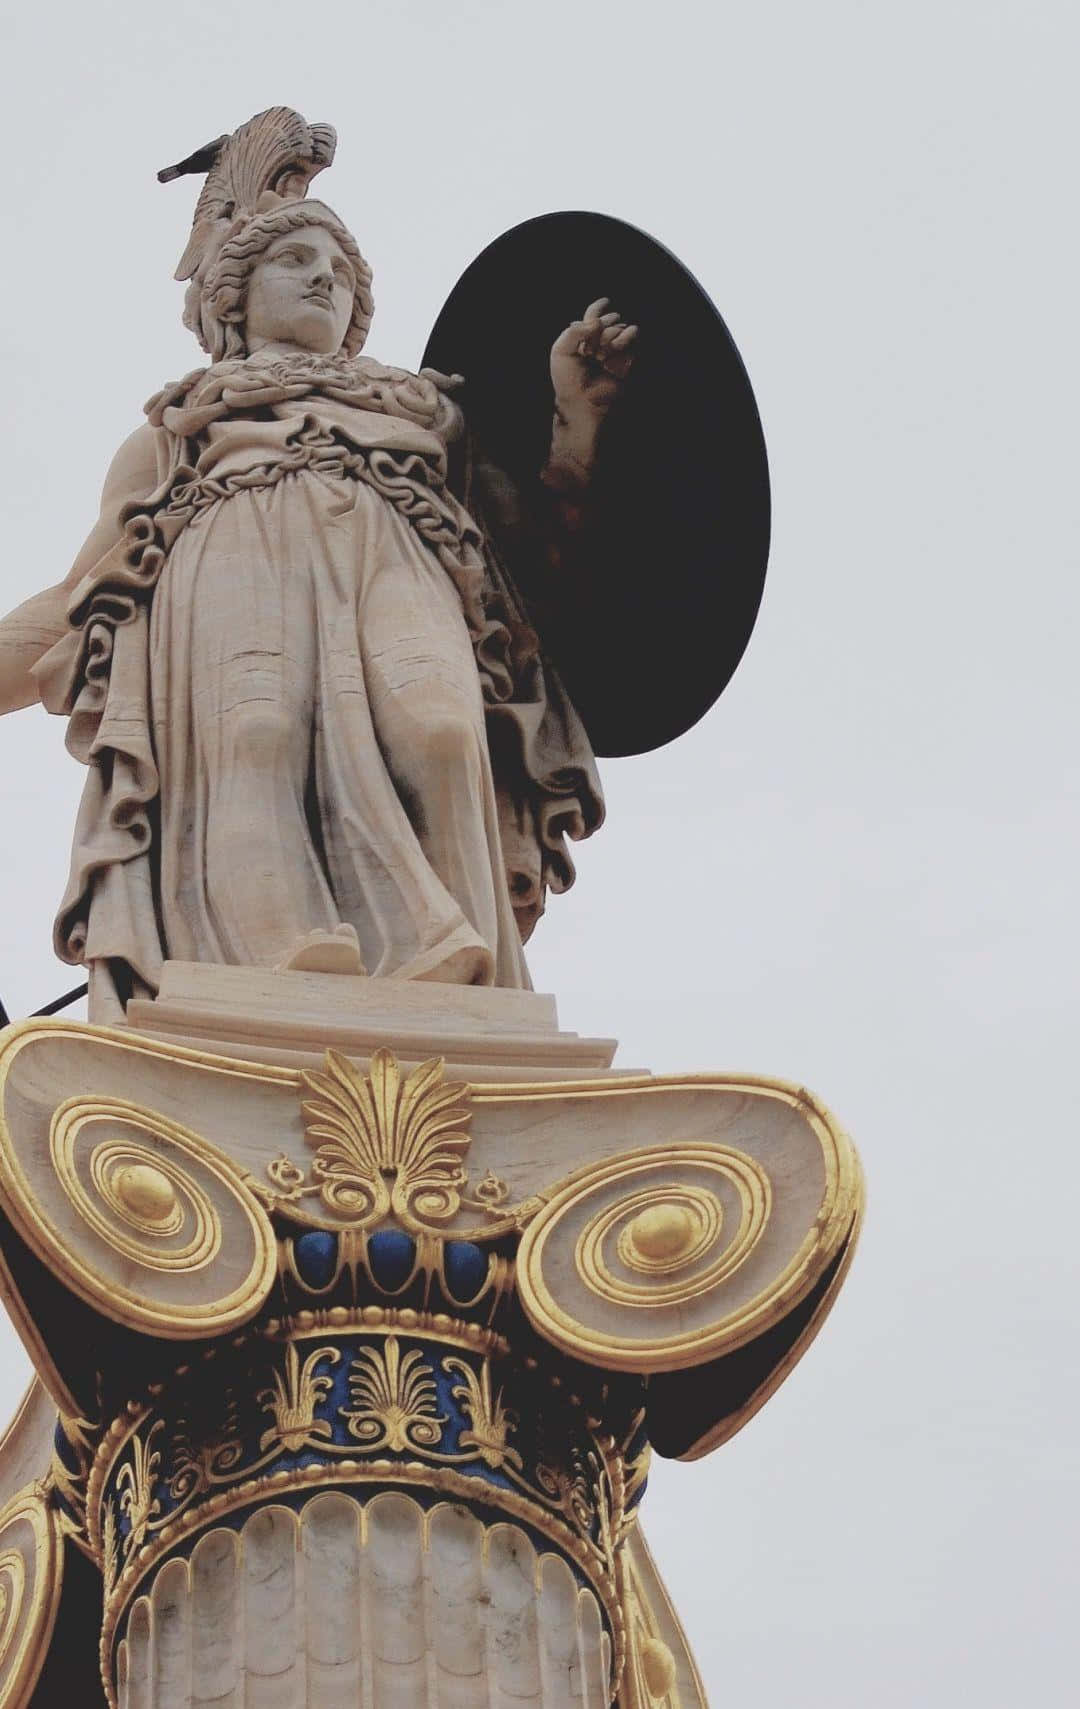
<point x="663" y="1230"/>
<point x="141" y="1217"/>
<point x="140" y="1202"/>
<point x="31" y="1562"/>
<point x="635" y="1263"/>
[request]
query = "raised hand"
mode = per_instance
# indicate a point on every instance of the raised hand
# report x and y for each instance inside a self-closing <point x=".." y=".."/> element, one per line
<point x="591" y="359"/>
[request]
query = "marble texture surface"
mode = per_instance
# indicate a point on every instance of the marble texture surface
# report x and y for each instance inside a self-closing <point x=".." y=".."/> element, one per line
<point x="382" y="1606"/>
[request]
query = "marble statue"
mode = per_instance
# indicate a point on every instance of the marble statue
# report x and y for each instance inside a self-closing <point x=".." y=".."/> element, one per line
<point x="318" y="727"/>
<point x="358" y="1305"/>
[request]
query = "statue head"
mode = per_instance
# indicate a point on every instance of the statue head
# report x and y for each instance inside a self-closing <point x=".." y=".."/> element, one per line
<point x="265" y="265"/>
<point x="289" y="274"/>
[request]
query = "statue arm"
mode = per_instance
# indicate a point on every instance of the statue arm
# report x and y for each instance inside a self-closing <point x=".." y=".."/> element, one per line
<point x="28" y="632"/>
<point x="589" y="362"/>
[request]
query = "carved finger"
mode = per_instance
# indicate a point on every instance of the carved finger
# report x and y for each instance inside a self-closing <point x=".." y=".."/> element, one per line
<point x="595" y="310"/>
<point x="445" y="382"/>
<point x="570" y="339"/>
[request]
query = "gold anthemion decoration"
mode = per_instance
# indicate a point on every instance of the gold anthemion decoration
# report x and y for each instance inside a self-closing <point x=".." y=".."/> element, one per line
<point x="200" y="1461"/>
<point x="388" y="1144"/>
<point x="393" y="1396"/>
<point x="292" y="1400"/>
<point x="385" y="1142"/>
<point x="135" y="1486"/>
<point x="490" y="1422"/>
<point x="70" y="1484"/>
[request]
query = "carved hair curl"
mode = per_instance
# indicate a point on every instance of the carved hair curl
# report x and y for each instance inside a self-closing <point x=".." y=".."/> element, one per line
<point x="216" y="302"/>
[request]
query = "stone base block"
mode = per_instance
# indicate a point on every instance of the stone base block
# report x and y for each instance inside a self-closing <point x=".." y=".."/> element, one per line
<point x="294" y="1017"/>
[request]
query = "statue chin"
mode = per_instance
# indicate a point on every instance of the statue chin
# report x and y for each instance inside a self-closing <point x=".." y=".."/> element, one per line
<point x="308" y="329"/>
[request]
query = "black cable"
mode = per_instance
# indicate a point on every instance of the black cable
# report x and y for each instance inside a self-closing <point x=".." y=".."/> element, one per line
<point x="52" y="1008"/>
<point x="61" y="1002"/>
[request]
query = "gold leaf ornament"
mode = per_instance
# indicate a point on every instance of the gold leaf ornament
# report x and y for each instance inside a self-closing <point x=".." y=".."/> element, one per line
<point x="387" y="1141"/>
<point x="135" y="1487"/>
<point x="292" y="1400"/>
<point x="394" y="1399"/>
<point x="491" y="1422"/>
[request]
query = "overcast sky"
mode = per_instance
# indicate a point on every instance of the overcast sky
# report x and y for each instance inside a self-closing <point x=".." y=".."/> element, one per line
<point x="859" y="870"/>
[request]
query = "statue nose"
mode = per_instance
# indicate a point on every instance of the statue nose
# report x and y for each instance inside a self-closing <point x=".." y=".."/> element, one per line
<point x="323" y="275"/>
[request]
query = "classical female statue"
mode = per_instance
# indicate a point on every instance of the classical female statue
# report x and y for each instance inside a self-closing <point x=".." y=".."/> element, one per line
<point x="312" y="707"/>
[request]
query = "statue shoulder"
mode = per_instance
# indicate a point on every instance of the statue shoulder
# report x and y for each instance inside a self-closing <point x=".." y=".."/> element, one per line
<point x="135" y="469"/>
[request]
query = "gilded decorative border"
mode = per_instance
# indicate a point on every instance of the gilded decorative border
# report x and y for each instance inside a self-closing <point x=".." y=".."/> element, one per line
<point x="167" y="1467"/>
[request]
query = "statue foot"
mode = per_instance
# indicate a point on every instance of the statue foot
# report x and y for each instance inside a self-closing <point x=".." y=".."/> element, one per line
<point x="325" y="952"/>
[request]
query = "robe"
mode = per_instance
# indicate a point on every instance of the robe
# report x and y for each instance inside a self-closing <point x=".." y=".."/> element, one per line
<point x="308" y="695"/>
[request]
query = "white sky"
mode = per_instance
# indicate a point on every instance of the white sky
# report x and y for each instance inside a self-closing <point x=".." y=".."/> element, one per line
<point x="858" y="871"/>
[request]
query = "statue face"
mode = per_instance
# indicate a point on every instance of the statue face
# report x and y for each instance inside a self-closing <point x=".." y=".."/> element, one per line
<point x="300" y="293"/>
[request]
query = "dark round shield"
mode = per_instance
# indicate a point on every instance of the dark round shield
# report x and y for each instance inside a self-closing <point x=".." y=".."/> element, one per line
<point x="654" y="606"/>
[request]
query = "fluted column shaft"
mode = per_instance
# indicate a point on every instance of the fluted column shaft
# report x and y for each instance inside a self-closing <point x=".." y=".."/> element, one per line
<point x="374" y="1605"/>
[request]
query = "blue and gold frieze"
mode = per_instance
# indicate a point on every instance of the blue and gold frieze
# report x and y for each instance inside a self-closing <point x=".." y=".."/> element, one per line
<point x="413" y="1399"/>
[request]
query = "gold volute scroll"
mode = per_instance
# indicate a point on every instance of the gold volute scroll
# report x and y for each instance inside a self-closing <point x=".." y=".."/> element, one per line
<point x="31" y="1572"/>
<point x="139" y="1216"/>
<point x="669" y="1257"/>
